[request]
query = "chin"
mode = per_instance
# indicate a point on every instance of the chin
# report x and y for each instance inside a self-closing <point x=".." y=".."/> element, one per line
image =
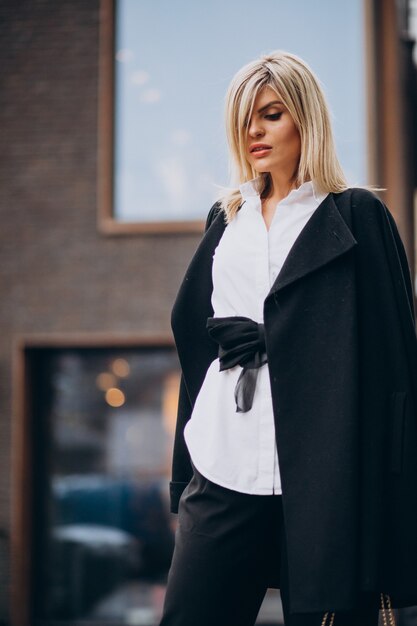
<point x="266" y="166"/>
<point x="261" y="167"/>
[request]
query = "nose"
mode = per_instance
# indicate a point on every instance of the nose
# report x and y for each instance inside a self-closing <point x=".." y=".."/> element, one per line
<point x="255" y="129"/>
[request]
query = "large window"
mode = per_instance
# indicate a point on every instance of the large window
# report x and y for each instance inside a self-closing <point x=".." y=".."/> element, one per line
<point x="99" y="433"/>
<point x="172" y="63"/>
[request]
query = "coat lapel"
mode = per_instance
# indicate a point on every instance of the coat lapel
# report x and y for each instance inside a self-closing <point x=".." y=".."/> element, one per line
<point x="324" y="237"/>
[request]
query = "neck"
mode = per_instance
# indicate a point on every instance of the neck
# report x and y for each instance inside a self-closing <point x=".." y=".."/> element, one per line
<point x="281" y="185"/>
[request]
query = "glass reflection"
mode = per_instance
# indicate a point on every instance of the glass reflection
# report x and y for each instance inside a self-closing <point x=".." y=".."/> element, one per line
<point x="103" y="531"/>
<point x="173" y="62"/>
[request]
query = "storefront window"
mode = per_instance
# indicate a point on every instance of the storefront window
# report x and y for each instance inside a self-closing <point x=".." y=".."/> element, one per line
<point x="103" y="531"/>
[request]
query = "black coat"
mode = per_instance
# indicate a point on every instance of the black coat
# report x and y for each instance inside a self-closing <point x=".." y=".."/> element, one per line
<point x="342" y="352"/>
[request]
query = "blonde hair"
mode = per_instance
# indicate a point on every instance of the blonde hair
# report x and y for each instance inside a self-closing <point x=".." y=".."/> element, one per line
<point x="299" y="89"/>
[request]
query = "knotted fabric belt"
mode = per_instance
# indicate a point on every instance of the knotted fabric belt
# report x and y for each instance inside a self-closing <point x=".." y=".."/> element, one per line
<point x="241" y="342"/>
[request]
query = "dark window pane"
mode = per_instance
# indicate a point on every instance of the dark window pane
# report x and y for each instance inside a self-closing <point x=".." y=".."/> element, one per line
<point x="103" y="531"/>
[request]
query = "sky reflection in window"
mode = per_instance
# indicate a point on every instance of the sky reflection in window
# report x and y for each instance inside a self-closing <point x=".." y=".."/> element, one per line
<point x="173" y="62"/>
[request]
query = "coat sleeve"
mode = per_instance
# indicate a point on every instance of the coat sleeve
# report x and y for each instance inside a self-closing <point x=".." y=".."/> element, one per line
<point x="181" y="464"/>
<point x="401" y="282"/>
<point x="399" y="262"/>
<point x="182" y="470"/>
<point x="212" y="214"/>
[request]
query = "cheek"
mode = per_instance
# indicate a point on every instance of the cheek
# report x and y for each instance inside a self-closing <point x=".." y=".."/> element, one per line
<point x="289" y="136"/>
<point x="293" y="138"/>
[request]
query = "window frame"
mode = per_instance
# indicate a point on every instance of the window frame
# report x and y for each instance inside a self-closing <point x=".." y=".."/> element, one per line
<point x="107" y="224"/>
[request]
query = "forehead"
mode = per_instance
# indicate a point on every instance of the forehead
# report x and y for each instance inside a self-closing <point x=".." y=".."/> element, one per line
<point x="265" y="94"/>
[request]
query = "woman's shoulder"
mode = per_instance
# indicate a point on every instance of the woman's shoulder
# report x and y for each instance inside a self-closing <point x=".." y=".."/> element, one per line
<point x="361" y="195"/>
<point x="363" y="201"/>
<point x="213" y="212"/>
<point x="370" y="217"/>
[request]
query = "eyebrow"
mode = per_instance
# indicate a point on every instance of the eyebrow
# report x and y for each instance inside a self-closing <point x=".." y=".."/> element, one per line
<point x="269" y="104"/>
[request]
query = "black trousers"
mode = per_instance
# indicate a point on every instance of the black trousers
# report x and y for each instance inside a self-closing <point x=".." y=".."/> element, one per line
<point x="229" y="548"/>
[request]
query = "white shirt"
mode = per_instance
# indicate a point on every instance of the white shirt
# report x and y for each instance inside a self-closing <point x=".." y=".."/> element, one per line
<point x="238" y="450"/>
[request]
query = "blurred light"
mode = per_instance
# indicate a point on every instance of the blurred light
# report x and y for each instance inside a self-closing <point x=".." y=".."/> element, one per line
<point x="140" y="77"/>
<point x="105" y="380"/>
<point x="170" y="393"/>
<point x="120" y="367"/>
<point x="150" y="95"/>
<point x="124" y="55"/>
<point x="115" y="397"/>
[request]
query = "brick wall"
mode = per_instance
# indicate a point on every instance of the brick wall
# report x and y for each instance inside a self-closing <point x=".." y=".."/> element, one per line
<point x="57" y="273"/>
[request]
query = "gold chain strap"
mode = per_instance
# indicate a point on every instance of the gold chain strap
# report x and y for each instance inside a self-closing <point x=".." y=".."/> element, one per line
<point x="323" y="623"/>
<point x="386" y="607"/>
<point x="385" y="599"/>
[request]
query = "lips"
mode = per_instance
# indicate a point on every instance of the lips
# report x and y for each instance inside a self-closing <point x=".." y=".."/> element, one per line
<point x="258" y="147"/>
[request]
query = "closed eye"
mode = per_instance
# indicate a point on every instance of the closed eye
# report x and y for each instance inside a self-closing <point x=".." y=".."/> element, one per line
<point x="271" y="116"/>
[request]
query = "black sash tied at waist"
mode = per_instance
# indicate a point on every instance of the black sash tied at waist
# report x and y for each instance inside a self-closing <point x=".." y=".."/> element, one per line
<point x="241" y="342"/>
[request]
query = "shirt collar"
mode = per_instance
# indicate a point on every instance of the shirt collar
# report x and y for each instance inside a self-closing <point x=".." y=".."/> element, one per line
<point x="250" y="189"/>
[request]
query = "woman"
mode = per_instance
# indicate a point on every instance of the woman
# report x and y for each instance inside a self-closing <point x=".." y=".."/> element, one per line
<point x="295" y="454"/>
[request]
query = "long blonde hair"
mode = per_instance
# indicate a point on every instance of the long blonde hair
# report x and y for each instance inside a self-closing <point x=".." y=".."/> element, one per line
<point x="299" y="89"/>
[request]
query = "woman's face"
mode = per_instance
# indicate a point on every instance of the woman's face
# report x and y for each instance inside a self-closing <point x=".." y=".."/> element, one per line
<point x="272" y="125"/>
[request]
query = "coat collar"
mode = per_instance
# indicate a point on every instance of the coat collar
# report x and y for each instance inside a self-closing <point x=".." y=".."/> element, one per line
<point x="324" y="237"/>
